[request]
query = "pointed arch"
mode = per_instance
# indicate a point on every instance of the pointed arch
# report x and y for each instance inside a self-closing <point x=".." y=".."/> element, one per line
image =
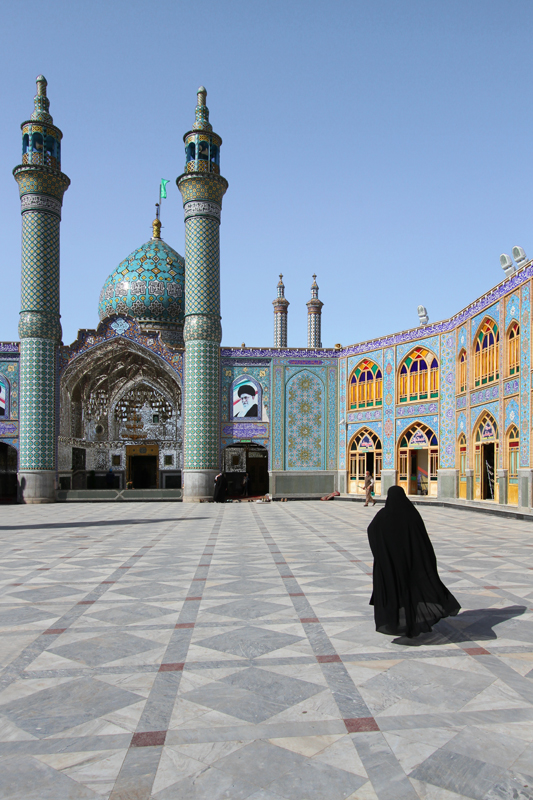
<point x="485" y="440"/>
<point x="462" y="371"/>
<point x="4" y="397"/>
<point x="486" y="353"/>
<point x="365" y="453"/>
<point x="512" y="340"/>
<point x="462" y="461"/>
<point x="305" y="394"/>
<point x="418" y="376"/>
<point x="365" y="385"/>
<point x="418" y="459"/>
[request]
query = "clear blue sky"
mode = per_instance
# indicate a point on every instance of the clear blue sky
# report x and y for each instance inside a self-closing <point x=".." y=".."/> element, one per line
<point x="385" y="145"/>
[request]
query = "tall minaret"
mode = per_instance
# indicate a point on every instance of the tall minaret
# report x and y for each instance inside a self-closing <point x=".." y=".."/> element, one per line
<point x="41" y="186"/>
<point x="202" y="189"/>
<point x="281" y="306"/>
<point x="314" y="317"/>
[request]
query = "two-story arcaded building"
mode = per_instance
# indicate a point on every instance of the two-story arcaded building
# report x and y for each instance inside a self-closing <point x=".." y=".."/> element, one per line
<point x="443" y="409"/>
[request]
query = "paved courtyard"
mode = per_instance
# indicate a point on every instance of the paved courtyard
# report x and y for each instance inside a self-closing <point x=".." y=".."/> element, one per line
<point x="198" y="652"/>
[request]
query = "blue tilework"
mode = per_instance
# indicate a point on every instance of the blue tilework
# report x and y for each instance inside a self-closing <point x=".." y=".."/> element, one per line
<point x="403" y="424"/>
<point x="492" y="311"/>
<point x="478" y="411"/>
<point x="389" y="388"/>
<point x="447" y="401"/>
<point x="147" y="285"/>
<point x="512" y="310"/>
<point x="305" y="421"/>
<point x="525" y="367"/>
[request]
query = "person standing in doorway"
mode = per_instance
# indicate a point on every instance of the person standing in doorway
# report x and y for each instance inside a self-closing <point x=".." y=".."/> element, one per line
<point x="245" y="485"/>
<point x="369" y="488"/>
<point x="221" y="485"/>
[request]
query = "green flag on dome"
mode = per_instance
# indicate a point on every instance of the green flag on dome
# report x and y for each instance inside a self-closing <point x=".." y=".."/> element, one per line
<point x="163" y="189"/>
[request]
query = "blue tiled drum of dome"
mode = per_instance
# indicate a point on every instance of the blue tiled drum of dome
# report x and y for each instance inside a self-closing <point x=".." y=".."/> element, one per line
<point x="148" y="285"/>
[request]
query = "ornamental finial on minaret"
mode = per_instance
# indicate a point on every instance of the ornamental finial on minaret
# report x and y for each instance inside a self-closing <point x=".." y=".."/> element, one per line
<point x="41" y="102"/>
<point x="281" y="306"/>
<point x="156" y="227"/>
<point x="314" y="312"/>
<point x="201" y="122"/>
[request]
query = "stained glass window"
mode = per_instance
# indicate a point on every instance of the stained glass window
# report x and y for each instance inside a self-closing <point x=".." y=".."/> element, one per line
<point x="513" y="443"/>
<point x="3" y="398"/>
<point x="462" y="455"/>
<point x="419" y="376"/>
<point x="366" y="385"/>
<point x="513" y="349"/>
<point x="486" y="349"/>
<point x="462" y="371"/>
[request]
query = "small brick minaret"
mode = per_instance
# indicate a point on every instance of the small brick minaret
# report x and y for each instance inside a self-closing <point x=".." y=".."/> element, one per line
<point x="314" y="317"/>
<point x="281" y="305"/>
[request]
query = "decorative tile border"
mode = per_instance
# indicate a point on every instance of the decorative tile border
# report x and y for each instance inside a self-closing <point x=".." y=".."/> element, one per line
<point x="485" y="395"/>
<point x="525" y="366"/>
<point x="511" y="387"/>
<point x="342" y="413"/>
<point x="447" y="398"/>
<point x="389" y="384"/>
<point x="460" y="402"/>
<point x="365" y="416"/>
<point x="417" y="409"/>
<point x="244" y="430"/>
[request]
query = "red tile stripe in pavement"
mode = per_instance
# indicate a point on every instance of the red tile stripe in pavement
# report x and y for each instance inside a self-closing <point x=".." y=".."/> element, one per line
<point x="149" y="739"/>
<point x="361" y="724"/>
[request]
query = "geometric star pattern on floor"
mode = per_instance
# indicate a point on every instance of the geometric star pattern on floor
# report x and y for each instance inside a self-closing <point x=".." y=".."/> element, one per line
<point x="205" y="652"/>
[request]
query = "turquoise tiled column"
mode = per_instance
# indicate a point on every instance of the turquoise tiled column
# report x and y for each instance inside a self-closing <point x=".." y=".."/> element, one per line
<point x="202" y="189"/>
<point x="41" y="186"/>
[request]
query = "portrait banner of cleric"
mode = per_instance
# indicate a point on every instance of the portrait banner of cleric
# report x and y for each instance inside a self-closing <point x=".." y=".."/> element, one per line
<point x="246" y="400"/>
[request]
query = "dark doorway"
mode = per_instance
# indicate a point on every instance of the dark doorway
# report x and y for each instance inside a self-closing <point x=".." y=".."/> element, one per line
<point x="418" y="477"/>
<point x="487" y="471"/>
<point x="143" y="472"/>
<point x="8" y="473"/>
<point x="240" y="459"/>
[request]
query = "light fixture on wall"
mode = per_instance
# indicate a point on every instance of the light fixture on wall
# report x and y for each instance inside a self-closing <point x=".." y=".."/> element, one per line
<point x="519" y="256"/>
<point x="506" y="263"/>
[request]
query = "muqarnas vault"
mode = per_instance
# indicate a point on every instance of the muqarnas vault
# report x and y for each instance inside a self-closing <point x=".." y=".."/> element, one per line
<point x="442" y="409"/>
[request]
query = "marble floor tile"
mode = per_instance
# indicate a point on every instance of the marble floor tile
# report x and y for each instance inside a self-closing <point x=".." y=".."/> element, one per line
<point x="188" y="653"/>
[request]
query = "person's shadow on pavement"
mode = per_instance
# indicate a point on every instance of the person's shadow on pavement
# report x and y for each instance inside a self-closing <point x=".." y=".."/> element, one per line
<point x="475" y="626"/>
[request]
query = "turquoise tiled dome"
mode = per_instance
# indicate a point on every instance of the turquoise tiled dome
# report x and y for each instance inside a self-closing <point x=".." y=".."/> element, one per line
<point x="148" y="285"/>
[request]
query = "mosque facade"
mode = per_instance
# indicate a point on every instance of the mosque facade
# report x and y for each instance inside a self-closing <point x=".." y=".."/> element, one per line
<point x="150" y="400"/>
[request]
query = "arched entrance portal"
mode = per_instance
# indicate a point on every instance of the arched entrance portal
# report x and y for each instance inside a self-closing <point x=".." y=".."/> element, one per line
<point x="485" y="458"/>
<point x="365" y="454"/>
<point x="247" y="458"/>
<point x="8" y="473"/>
<point x="418" y="460"/>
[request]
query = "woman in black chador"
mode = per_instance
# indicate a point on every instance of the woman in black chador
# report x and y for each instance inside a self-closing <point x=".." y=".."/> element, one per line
<point x="221" y="485"/>
<point x="408" y="597"/>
